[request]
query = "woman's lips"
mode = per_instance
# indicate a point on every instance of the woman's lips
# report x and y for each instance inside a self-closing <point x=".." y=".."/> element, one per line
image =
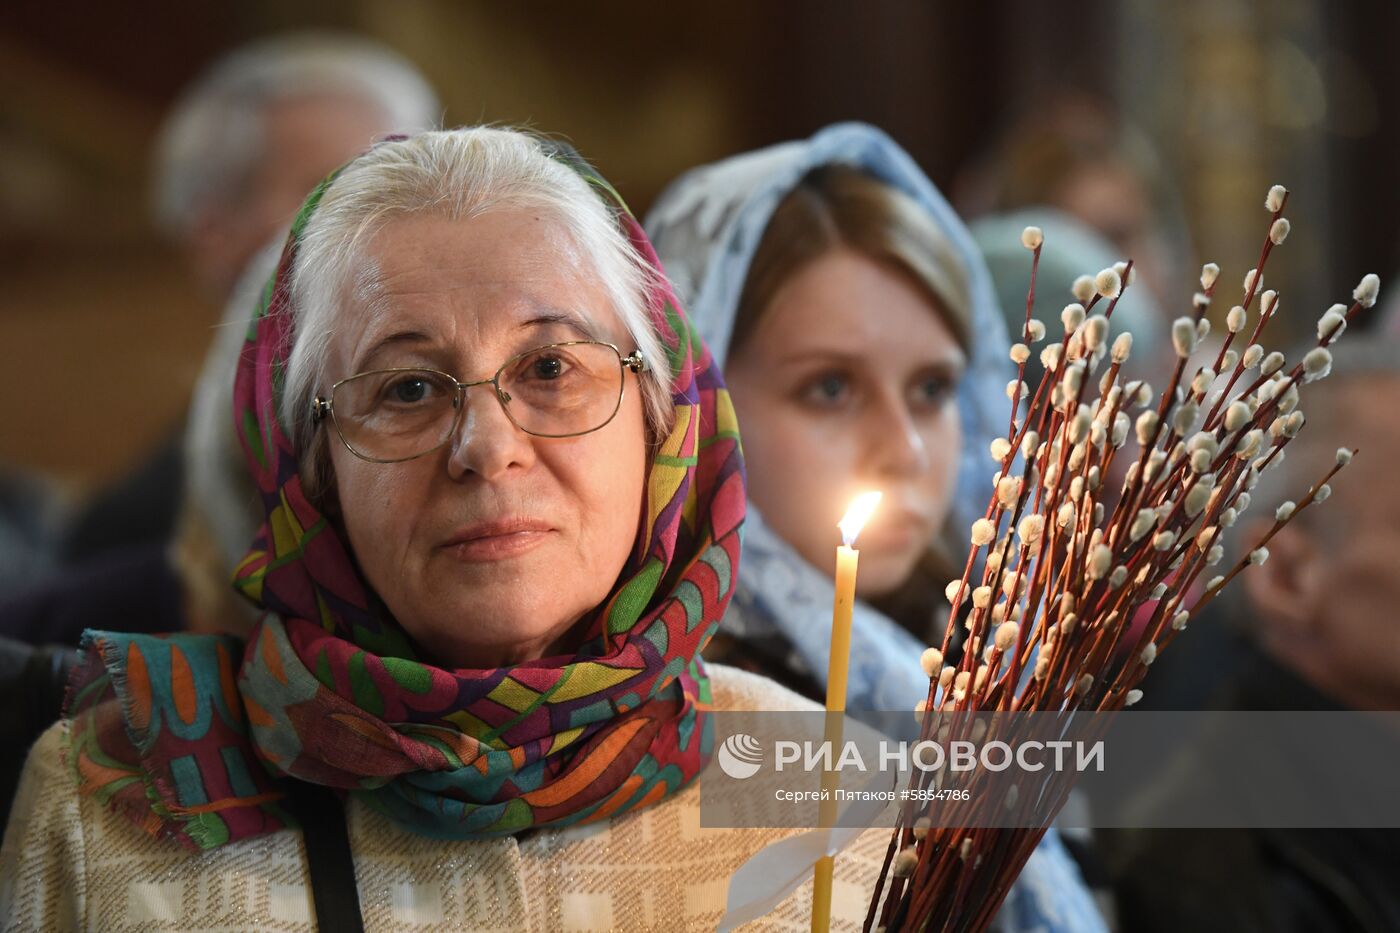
<point x="497" y="540"/>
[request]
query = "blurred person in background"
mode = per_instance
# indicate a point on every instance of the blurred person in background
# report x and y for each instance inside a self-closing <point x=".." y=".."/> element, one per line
<point x="219" y="509"/>
<point x="860" y="336"/>
<point x="232" y="161"/>
<point x="1312" y="628"/>
<point x="261" y="127"/>
<point x="1071" y="251"/>
<point x="1322" y="608"/>
<point x="1072" y="153"/>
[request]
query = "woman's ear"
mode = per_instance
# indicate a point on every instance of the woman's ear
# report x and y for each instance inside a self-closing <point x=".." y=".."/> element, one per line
<point x="1283" y="592"/>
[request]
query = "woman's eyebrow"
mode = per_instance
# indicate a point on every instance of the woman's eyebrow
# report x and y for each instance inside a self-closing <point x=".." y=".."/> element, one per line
<point x="554" y="317"/>
<point x="390" y="340"/>
<point x="541" y="318"/>
<point x="951" y="365"/>
<point x="812" y="355"/>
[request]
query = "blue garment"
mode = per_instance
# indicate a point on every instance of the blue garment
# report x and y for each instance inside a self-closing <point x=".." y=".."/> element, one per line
<point x="706" y="227"/>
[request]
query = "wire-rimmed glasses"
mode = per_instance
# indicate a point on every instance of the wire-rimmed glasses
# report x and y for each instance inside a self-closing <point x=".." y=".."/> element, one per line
<point x="557" y="390"/>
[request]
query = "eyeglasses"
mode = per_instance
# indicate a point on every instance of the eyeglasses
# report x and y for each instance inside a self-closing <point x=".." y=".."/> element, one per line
<point x="558" y="390"/>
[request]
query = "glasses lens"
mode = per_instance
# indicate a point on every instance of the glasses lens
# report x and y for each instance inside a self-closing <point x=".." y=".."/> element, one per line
<point x="563" y="389"/>
<point x="394" y="414"/>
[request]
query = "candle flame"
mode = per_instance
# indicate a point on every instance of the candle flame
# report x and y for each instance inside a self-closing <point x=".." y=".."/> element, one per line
<point x="857" y="515"/>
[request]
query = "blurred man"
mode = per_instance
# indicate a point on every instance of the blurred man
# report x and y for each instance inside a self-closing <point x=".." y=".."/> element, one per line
<point x="254" y="134"/>
<point x="1321" y="631"/>
<point x="1324" y="606"/>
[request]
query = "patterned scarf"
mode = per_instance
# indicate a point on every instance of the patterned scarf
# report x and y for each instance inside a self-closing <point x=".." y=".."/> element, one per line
<point x="194" y="735"/>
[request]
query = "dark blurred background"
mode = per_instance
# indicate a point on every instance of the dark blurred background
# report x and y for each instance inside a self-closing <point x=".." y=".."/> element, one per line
<point x="1197" y="107"/>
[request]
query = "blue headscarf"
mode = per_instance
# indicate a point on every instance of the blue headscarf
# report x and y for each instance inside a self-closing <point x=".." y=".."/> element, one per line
<point x="706" y="227"/>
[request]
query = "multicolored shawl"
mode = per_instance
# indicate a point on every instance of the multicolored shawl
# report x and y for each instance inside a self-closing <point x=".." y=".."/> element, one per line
<point x="194" y="736"/>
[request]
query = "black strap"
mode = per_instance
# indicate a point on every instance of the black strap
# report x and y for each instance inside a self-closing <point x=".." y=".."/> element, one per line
<point x="32" y="684"/>
<point x="333" y="888"/>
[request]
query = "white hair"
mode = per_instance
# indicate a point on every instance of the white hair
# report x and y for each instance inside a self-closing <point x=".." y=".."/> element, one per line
<point x="1332" y="422"/>
<point x="214" y="135"/>
<point x="460" y="174"/>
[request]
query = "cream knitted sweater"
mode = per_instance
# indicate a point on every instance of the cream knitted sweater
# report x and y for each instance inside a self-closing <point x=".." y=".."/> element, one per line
<point x="69" y="864"/>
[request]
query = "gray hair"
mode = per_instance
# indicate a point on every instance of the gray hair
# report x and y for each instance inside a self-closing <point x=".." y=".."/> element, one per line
<point x="460" y="174"/>
<point x="1329" y="424"/>
<point x="213" y="136"/>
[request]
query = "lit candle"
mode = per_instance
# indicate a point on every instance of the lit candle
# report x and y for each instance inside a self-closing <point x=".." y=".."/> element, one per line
<point x="847" y="558"/>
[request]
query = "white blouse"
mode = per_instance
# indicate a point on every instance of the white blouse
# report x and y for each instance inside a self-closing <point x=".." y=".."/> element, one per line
<point x="68" y="863"/>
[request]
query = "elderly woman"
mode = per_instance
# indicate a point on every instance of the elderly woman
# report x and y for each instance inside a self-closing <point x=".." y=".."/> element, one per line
<point x="503" y="491"/>
<point x="857" y="324"/>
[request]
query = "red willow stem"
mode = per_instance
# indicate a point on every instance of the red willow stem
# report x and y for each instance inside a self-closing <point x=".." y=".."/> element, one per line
<point x="1264" y="252"/>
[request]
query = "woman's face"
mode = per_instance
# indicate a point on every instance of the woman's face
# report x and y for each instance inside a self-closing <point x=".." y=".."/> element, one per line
<point x="846" y="384"/>
<point x="489" y="549"/>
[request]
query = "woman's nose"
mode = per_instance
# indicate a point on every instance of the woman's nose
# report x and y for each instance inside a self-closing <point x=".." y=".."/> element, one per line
<point x="486" y="441"/>
<point x="896" y="446"/>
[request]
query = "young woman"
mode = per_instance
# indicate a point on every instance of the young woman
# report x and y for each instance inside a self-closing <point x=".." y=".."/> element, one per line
<point x="859" y="334"/>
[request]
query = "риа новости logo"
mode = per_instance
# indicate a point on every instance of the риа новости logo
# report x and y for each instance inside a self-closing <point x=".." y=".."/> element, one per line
<point x="740" y="756"/>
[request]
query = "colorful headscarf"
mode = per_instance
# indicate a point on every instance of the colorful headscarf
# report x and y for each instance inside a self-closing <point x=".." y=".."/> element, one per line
<point x="194" y="735"/>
